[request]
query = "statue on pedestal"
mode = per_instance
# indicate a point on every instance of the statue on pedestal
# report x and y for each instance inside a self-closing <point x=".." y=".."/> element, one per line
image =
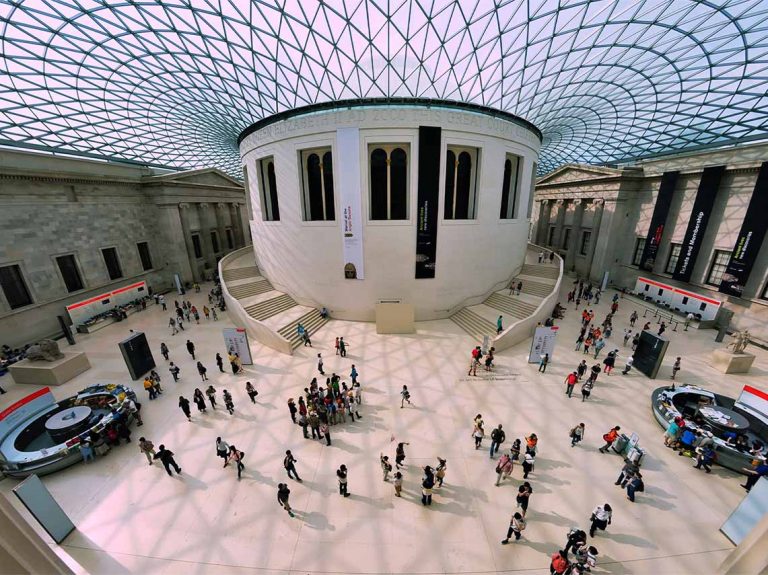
<point x="739" y="342"/>
<point x="45" y="350"/>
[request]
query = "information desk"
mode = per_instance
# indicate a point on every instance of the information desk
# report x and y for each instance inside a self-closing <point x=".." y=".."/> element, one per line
<point x="724" y="418"/>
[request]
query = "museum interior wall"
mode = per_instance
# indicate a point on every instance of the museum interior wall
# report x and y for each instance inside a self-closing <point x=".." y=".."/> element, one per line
<point x="71" y="229"/>
<point x="630" y="194"/>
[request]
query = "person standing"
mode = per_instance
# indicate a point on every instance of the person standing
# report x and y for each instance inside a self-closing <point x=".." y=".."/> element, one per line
<point x="628" y="367"/>
<point x="292" y="409"/>
<point x="405" y="396"/>
<point x="237" y="456"/>
<point x="175" y="370"/>
<point x="398" y="483"/>
<point x="675" y="368"/>
<point x="633" y="318"/>
<point x="314" y="424"/>
<point x="341" y="475"/>
<point x="222" y="450"/>
<point x="164" y="351"/>
<point x="283" y="493"/>
<point x="320" y="363"/>
<point x="504" y="468"/>
<point x="516" y="528"/>
<point x="202" y="370"/>
<point x="442" y="465"/>
<point x="570" y="382"/>
<point x="662" y="329"/>
<point x="166" y="458"/>
<point x="386" y="466"/>
<point x="161" y="301"/>
<point x="544" y="363"/>
<point x="184" y="405"/>
<point x="191" y="348"/>
<point x="327" y="432"/>
<point x="353" y="374"/>
<point x="635" y="341"/>
<point x="601" y="518"/>
<point x="541" y="256"/>
<point x="427" y="483"/>
<point x="499" y="325"/>
<point x="342" y="347"/>
<point x="577" y="434"/>
<point x="289" y="463"/>
<point x="400" y="454"/>
<point x="220" y="362"/>
<point x="523" y="496"/>
<point x="497" y="438"/>
<point x="688" y="320"/>
<point x="519" y="287"/>
<point x="147" y="448"/>
<point x="609" y="438"/>
<point x="211" y="394"/>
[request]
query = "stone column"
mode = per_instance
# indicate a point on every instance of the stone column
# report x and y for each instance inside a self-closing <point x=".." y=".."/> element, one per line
<point x="578" y="216"/>
<point x="237" y="225"/>
<point x="220" y="207"/>
<point x="562" y="207"/>
<point x="596" y="219"/>
<point x="245" y="220"/>
<point x="203" y="210"/>
<point x="187" y="232"/>
<point x="542" y="225"/>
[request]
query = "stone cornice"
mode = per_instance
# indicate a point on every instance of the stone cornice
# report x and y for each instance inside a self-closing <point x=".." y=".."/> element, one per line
<point x="68" y="179"/>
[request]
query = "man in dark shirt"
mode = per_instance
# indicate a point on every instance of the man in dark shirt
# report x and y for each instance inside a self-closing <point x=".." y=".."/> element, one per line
<point x="166" y="458"/>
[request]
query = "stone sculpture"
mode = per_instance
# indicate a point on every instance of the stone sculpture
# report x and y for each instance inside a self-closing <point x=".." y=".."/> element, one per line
<point x="45" y="350"/>
<point x="740" y="341"/>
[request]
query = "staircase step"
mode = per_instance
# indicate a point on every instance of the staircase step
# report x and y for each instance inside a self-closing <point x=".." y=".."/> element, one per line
<point x="539" y="270"/>
<point x="473" y="324"/>
<point x="270" y="307"/>
<point x="510" y="305"/>
<point x="312" y="322"/>
<point x="250" y="289"/>
<point x="240" y="273"/>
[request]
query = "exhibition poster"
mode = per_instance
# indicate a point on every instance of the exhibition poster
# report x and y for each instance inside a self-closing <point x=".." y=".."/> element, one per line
<point x="543" y="343"/>
<point x="236" y="341"/>
<point x="348" y="144"/>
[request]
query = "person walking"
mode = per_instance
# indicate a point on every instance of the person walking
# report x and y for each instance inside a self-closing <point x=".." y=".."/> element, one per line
<point x="577" y="434"/>
<point x="627" y="472"/>
<point x="609" y="438"/>
<point x="199" y="400"/>
<point x="353" y="374"/>
<point x="576" y="538"/>
<point x="427" y="483"/>
<point x="544" y="363"/>
<point x="341" y="475"/>
<point x="499" y="325"/>
<point x="320" y="363"/>
<point x="627" y="336"/>
<point x="610" y="361"/>
<point x="292" y="409"/>
<point x="675" y="368"/>
<point x="202" y="370"/>
<point x="529" y="463"/>
<point x="398" y="483"/>
<point x="635" y="341"/>
<point x="504" y="468"/>
<point x="442" y="465"/>
<point x="147" y="448"/>
<point x="601" y="518"/>
<point x="570" y="382"/>
<point x="519" y="287"/>
<point x="586" y="390"/>
<point x="211" y="395"/>
<point x="206" y="312"/>
<point x="220" y="362"/>
<point x="327" y="432"/>
<point x="523" y="496"/>
<point x="516" y="528"/>
<point x="635" y="485"/>
<point x="172" y="325"/>
<point x="579" y="341"/>
<point x="175" y="370"/>
<point x="252" y="392"/>
<point x="342" y="347"/>
<point x="662" y="329"/>
<point x="497" y="438"/>
<point x="386" y="466"/>
<point x="599" y="345"/>
<point x="166" y="458"/>
<point x="191" y="348"/>
<point x="184" y="405"/>
<point x="405" y="396"/>
<point x="594" y="371"/>
<point x="633" y="318"/>
<point x="213" y="313"/>
<point x="478" y="433"/>
<point x="581" y="369"/>
<point x="237" y="456"/>
<point x="559" y="563"/>
<point x="164" y="351"/>
<point x="474" y="362"/>
<point x="400" y="454"/>
<point x="336" y="345"/>
<point x="283" y="493"/>
<point x="688" y="319"/>
<point x="229" y="403"/>
<point x="628" y="367"/>
<point x="705" y="456"/>
<point x="289" y="463"/>
<point x="222" y="450"/>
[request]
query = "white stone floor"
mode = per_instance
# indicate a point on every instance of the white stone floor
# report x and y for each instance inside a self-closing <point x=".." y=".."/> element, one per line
<point x="133" y="518"/>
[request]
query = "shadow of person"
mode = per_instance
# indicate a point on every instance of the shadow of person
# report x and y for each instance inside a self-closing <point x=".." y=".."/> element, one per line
<point x="315" y="520"/>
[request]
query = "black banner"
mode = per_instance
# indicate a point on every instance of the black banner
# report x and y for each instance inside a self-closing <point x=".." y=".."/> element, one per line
<point x="658" y="220"/>
<point x="697" y="224"/>
<point x="750" y="238"/>
<point x="428" y="196"/>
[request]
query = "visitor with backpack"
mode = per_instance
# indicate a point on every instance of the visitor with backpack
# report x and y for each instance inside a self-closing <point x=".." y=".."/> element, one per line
<point x="635" y="485"/>
<point x="497" y="438"/>
<point x="609" y="438"/>
<point x="516" y="528"/>
<point x="576" y="538"/>
<point x="559" y="563"/>
<point x="427" y="483"/>
<point x="504" y="468"/>
<point x="577" y="434"/>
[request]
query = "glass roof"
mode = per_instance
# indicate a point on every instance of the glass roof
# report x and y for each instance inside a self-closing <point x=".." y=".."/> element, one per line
<point x="173" y="82"/>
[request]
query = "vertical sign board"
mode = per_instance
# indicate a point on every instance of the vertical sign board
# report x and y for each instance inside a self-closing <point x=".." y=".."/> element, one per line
<point x="543" y="342"/>
<point x="348" y="149"/>
<point x="649" y="353"/>
<point x="658" y="220"/>
<point x="697" y="224"/>
<point x="748" y="514"/>
<point x="750" y="238"/>
<point x="236" y="341"/>
<point x="43" y="507"/>
<point x="426" y="206"/>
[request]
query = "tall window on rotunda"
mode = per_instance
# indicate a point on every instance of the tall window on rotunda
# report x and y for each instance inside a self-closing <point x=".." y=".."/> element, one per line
<point x="317" y="182"/>
<point x="388" y="181"/>
<point x="460" y="183"/>
<point x="509" y="187"/>
<point x="270" y="210"/>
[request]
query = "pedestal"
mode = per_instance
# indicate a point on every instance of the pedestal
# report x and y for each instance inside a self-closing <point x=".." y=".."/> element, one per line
<point x="50" y="372"/>
<point x="728" y="362"/>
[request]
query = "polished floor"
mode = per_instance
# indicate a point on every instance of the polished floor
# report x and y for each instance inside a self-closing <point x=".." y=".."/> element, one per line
<point x="133" y="518"/>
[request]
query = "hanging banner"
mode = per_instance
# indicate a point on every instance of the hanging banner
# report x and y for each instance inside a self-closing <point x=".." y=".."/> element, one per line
<point x="658" y="220"/>
<point x="750" y="238"/>
<point x="236" y="341"/>
<point x="348" y="152"/>
<point x="697" y="224"/>
<point x="543" y="342"/>
<point x="426" y="206"/>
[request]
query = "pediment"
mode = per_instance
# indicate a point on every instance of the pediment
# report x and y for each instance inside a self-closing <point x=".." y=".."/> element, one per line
<point x="577" y="173"/>
<point x="207" y="177"/>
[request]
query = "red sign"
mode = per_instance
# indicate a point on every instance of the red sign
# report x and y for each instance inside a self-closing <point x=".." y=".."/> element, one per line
<point x="22" y="402"/>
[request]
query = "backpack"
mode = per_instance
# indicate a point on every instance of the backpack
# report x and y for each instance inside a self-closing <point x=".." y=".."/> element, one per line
<point x="558" y="563"/>
<point x="521" y="525"/>
<point x="607" y="437"/>
<point x="640" y="486"/>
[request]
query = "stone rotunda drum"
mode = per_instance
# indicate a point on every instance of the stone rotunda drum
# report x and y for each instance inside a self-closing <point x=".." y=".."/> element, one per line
<point x="68" y="423"/>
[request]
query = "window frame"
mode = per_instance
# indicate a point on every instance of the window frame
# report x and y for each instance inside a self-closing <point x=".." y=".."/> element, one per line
<point x="230" y="234"/>
<point x="511" y="190"/>
<point x="77" y="268"/>
<point x="670" y="267"/>
<point x="149" y="256"/>
<point x="551" y="234"/>
<point x="713" y="263"/>
<point x="565" y="240"/>
<point x="197" y="247"/>
<point x="388" y="148"/>
<point x="327" y="204"/>
<point x="637" y="254"/>
<point x="117" y="260"/>
<point x="584" y="245"/>
<point x="269" y="191"/>
<point x="215" y="243"/>
<point x="24" y="284"/>
<point x="475" y="154"/>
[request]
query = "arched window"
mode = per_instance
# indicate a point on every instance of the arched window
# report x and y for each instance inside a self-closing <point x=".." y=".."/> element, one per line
<point x="270" y="212"/>
<point x="317" y="180"/>
<point x="509" y="187"/>
<point x="389" y="182"/>
<point x="460" y="186"/>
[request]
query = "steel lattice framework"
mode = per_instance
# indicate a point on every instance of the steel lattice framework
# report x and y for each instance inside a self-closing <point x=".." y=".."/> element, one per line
<point x="173" y="82"/>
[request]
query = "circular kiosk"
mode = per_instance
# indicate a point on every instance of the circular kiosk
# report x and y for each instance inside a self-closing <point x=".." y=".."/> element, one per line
<point x="40" y="435"/>
<point x="734" y="431"/>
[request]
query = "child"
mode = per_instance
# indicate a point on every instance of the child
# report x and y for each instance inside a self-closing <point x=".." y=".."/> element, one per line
<point x="398" y="484"/>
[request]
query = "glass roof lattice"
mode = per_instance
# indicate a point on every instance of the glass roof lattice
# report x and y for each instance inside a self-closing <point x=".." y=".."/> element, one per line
<point x="174" y="82"/>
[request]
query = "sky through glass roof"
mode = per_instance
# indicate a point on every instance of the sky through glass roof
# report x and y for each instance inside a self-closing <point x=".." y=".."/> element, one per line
<point x="173" y="82"/>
